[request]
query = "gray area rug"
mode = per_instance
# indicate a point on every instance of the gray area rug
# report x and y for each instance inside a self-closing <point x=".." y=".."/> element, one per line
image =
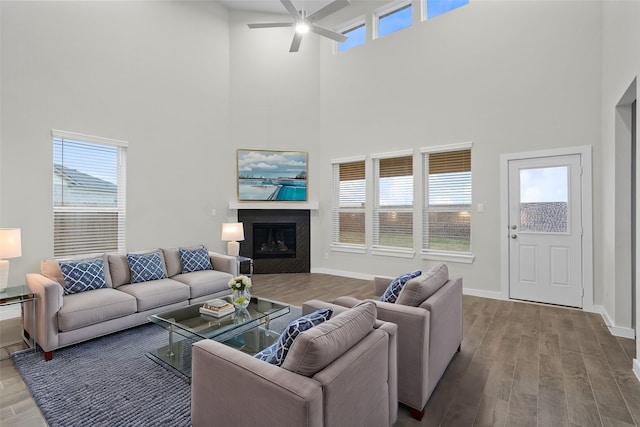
<point x="110" y="381"/>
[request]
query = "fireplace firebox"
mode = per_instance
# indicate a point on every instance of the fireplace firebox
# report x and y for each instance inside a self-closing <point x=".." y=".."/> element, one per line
<point x="278" y="240"/>
<point x="274" y="240"/>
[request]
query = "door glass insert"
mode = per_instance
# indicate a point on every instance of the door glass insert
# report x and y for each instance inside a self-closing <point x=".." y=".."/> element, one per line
<point x="544" y="199"/>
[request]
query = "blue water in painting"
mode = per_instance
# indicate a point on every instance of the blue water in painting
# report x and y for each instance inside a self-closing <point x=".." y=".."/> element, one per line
<point x="272" y="189"/>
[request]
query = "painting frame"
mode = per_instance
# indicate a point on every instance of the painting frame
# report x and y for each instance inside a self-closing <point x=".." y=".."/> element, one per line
<point x="272" y="175"/>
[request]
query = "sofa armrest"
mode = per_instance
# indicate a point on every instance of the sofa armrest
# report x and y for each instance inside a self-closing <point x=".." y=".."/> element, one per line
<point x="226" y="383"/>
<point x="225" y="263"/>
<point x="380" y="284"/>
<point x="48" y="304"/>
<point x="413" y="350"/>
<point x="445" y="307"/>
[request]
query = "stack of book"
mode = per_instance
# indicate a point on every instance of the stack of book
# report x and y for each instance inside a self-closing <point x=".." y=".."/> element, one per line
<point x="217" y="308"/>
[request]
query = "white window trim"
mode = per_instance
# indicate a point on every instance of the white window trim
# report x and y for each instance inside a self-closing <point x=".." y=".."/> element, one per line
<point x="439" y="255"/>
<point x="88" y="138"/>
<point x="385" y="10"/>
<point x="348" y="26"/>
<point x="391" y="251"/>
<point x="449" y="147"/>
<point x="390" y="154"/>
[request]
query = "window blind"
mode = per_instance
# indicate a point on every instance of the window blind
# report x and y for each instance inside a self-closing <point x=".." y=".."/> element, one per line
<point x="393" y="210"/>
<point x="349" y="203"/>
<point x="447" y="212"/>
<point x="88" y="195"/>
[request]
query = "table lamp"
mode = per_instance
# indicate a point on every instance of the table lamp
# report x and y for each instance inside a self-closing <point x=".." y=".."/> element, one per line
<point x="232" y="232"/>
<point x="10" y="247"/>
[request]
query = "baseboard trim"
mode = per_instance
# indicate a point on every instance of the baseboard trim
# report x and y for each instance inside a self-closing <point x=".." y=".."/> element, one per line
<point x="617" y="331"/>
<point x="483" y="293"/>
<point x="636" y="368"/>
<point x="342" y="273"/>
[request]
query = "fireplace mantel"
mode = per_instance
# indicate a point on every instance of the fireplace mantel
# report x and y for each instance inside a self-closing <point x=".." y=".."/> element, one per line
<point x="310" y="205"/>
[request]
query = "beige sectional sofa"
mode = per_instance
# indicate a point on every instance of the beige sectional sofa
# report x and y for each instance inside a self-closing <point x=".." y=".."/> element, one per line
<point x="63" y="319"/>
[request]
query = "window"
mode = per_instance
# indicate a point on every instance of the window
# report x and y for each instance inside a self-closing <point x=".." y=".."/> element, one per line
<point x="349" y="203"/>
<point x="438" y="7"/>
<point x="394" y="18"/>
<point x="393" y="207"/>
<point x="447" y="200"/>
<point x="88" y="194"/>
<point x="356" y="36"/>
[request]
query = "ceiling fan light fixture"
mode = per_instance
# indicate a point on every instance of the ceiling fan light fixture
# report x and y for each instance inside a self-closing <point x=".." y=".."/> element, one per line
<point x="302" y="27"/>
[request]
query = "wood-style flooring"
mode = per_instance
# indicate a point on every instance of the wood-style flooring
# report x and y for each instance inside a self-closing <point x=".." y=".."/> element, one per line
<point x="520" y="365"/>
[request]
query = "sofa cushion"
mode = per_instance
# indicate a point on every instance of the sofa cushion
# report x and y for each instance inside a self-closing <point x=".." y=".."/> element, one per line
<point x="315" y="348"/>
<point x="418" y="289"/>
<point x="194" y="259"/>
<point x="396" y="285"/>
<point x="50" y="268"/>
<point x="172" y="260"/>
<point x="146" y="267"/>
<point x="93" y="307"/>
<point x="119" y="268"/>
<point x="81" y="276"/>
<point x="205" y="282"/>
<point x="277" y="352"/>
<point x="156" y="293"/>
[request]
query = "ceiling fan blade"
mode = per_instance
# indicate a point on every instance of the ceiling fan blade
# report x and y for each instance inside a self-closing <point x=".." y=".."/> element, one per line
<point x="291" y="8"/>
<point x="327" y="10"/>
<point x="272" y="25"/>
<point x="328" y="33"/>
<point x="295" y="44"/>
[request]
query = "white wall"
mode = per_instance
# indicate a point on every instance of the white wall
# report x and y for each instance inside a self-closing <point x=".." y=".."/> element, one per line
<point x="620" y="66"/>
<point x="509" y="76"/>
<point x="155" y="74"/>
<point x="186" y="83"/>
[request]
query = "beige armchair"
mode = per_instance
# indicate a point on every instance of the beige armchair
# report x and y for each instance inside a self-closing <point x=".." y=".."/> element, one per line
<point x="339" y="373"/>
<point x="429" y="335"/>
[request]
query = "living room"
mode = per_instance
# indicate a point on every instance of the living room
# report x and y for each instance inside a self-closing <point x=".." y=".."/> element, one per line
<point x="186" y="84"/>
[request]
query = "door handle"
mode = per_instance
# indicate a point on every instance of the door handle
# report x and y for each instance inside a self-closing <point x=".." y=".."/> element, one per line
<point x="513" y="236"/>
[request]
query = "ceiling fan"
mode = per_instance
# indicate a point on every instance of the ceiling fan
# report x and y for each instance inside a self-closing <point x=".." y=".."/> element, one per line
<point x="304" y="23"/>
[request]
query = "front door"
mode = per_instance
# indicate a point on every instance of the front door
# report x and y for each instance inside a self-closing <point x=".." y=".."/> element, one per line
<point x="545" y="230"/>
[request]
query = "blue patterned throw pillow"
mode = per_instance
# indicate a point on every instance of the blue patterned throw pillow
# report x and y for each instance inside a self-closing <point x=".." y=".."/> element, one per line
<point x="396" y="285"/>
<point x="195" y="259"/>
<point x="277" y="351"/>
<point x="145" y="267"/>
<point x="85" y="275"/>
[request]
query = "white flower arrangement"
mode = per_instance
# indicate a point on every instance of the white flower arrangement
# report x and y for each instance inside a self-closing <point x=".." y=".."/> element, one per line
<point x="240" y="283"/>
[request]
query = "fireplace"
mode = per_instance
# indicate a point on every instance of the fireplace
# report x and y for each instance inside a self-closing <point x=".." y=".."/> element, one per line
<point x="278" y="240"/>
<point x="274" y="240"/>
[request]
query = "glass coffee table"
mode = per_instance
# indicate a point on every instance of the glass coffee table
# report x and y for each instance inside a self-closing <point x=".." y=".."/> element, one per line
<point x="246" y="329"/>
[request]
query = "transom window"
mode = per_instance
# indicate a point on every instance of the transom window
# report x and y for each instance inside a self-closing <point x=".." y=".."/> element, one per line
<point x="356" y="36"/>
<point x="89" y="175"/>
<point x="438" y="7"/>
<point x="396" y="19"/>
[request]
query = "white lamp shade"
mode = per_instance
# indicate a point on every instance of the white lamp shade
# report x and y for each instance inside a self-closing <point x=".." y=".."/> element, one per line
<point x="232" y="231"/>
<point x="10" y="243"/>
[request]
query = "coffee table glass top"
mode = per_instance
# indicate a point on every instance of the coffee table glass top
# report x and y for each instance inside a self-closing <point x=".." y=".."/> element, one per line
<point x="188" y="321"/>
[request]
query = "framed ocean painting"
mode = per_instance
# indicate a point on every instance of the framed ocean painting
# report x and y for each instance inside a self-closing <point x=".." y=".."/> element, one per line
<point x="266" y="175"/>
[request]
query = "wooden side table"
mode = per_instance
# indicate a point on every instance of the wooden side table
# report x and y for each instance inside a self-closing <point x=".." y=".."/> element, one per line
<point x="19" y="295"/>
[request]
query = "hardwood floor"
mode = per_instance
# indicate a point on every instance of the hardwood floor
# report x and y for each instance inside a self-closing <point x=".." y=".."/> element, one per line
<point x="520" y="365"/>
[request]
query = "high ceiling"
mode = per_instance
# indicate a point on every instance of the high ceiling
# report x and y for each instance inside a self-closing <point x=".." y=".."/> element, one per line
<point x="273" y="6"/>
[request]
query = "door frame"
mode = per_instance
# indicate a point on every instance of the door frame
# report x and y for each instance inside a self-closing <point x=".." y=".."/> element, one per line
<point x="587" y="215"/>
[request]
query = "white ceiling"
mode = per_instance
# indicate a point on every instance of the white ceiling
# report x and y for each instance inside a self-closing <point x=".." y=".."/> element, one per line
<point x="273" y="6"/>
